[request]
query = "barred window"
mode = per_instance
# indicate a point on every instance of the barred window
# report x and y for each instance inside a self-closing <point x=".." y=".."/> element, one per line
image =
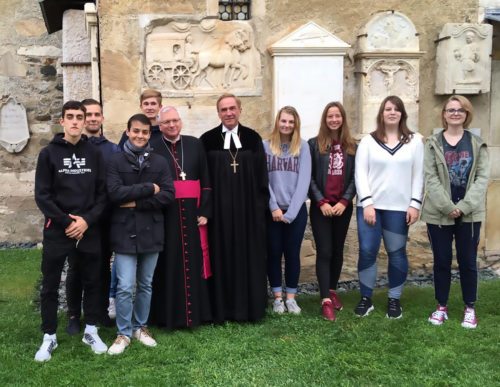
<point x="234" y="10"/>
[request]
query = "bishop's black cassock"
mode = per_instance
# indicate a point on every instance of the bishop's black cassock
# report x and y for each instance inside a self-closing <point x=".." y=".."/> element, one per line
<point x="237" y="231"/>
<point x="180" y="289"/>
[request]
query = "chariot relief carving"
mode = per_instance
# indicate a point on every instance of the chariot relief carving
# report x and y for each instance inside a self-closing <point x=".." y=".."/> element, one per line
<point x="463" y="59"/>
<point x="202" y="58"/>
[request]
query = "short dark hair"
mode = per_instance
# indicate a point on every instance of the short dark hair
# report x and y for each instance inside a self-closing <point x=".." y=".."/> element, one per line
<point x="140" y="118"/>
<point x="73" y="105"/>
<point x="91" y="101"/>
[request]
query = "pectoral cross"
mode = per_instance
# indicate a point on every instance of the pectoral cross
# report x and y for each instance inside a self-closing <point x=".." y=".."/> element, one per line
<point x="234" y="164"/>
<point x="182" y="175"/>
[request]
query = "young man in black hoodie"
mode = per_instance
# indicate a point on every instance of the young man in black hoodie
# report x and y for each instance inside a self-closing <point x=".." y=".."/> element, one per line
<point x="70" y="190"/>
<point x="93" y="130"/>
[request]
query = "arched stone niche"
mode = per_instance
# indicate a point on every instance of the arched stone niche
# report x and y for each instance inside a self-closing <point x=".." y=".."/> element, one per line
<point x="464" y="59"/>
<point x="308" y="72"/>
<point x="188" y="58"/>
<point x="387" y="63"/>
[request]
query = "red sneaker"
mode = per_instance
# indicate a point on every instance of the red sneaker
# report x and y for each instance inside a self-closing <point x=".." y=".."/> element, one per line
<point x="327" y="311"/>
<point x="337" y="304"/>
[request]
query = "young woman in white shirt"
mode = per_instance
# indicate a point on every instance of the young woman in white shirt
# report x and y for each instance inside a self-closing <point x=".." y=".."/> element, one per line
<point x="389" y="184"/>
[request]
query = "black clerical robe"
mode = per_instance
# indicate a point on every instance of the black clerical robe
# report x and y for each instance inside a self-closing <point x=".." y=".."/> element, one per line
<point x="240" y="196"/>
<point x="180" y="290"/>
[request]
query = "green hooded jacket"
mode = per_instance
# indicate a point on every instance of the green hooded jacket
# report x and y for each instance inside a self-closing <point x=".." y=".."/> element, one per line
<point x="437" y="197"/>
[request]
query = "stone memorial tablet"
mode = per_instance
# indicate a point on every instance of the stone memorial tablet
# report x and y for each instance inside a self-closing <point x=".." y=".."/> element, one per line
<point x="14" y="131"/>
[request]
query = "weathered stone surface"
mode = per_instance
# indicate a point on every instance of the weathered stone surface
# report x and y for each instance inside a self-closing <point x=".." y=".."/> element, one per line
<point x="10" y="67"/>
<point x="40" y="51"/>
<point x="31" y="27"/>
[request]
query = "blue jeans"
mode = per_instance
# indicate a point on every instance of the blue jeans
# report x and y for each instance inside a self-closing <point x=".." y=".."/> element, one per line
<point x="131" y="269"/>
<point x="392" y="227"/>
<point x="285" y="239"/>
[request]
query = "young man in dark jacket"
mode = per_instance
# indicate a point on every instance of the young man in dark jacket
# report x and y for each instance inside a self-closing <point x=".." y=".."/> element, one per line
<point x="140" y="188"/>
<point x="70" y="191"/>
<point x="93" y="130"/>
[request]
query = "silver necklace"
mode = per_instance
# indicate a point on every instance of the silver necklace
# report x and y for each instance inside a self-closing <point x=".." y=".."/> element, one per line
<point x="181" y="167"/>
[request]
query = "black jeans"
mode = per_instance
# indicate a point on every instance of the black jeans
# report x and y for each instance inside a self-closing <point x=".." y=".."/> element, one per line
<point x="329" y="235"/>
<point x="52" y="266"/>
<point x="74" y="285"/>
<point x="466" y="237"/>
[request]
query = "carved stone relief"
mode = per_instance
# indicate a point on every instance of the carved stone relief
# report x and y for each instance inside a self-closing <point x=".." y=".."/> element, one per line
<point x="391" y="77"/>
<point x="463" y="59"/>
<point x="387" y="61"/>
<point x="14" y="131"/>
<point x="209" y="57"/>
<point x="388" y="31"/>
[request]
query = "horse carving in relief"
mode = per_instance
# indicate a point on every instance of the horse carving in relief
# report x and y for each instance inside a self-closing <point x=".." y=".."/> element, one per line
<point x="224" y="54"/>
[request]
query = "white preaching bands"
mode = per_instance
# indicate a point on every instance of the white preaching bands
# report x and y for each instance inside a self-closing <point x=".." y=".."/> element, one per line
<point x="231" y="133"/>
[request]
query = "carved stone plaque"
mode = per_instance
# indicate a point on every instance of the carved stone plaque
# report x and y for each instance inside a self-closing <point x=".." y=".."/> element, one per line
<point x="463" y="59"/>
<point x="210" y="57"/>
<point x="14" y="131"/>
<point x="387" y="63"/>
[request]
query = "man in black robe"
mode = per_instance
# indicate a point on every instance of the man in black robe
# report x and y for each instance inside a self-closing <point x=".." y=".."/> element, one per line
<point x="180" y="289"/>
<point x="240" y="194"/>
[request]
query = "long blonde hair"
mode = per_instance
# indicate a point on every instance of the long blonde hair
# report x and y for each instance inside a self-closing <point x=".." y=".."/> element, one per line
<point x="275" y="139"/>
<point x="345" y="138"/>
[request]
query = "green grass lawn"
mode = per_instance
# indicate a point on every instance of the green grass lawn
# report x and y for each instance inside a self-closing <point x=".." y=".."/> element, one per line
<point x="282" y="350"/>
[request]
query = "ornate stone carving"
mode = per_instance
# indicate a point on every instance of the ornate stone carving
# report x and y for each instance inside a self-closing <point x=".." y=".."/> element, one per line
<point x="388" y="31"/>
<point x="463" y="59"/>
<point x="387" y="61"/>
<point x="391" y="77"/>
<point x="14" y="131"/>
<point x="209" y="57"/>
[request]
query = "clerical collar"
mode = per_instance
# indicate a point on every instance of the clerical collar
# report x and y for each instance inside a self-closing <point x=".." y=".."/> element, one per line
<point x="231" y="133"/>
<point x="172" y="141"/>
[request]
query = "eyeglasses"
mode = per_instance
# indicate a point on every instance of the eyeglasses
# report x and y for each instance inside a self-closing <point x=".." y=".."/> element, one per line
<point x="168" y="122"/>
<point x="455" y="111"/>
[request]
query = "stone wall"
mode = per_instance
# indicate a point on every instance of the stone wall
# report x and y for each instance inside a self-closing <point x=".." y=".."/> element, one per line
<point x="121" y="28"/>
<point x="29" y="71"/>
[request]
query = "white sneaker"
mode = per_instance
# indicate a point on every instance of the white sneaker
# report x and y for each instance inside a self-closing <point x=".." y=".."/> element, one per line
<point x="292" y="307"/>
<point x="142" y="334"/>
<point x="278" y="306"/>
<point x="121" y="342"/>
<point x="91" y="337"/>
<point x="470" y="319"/>
<point x="48" y="345"/>
<point x="112" y="308"/>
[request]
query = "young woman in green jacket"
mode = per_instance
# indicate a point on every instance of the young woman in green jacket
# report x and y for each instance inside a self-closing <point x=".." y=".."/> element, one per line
<point x="456" y="177"/>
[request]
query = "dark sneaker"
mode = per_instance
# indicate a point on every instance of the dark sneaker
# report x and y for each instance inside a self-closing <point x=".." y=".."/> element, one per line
<point x="364" y="307"/>
<point x="73" y="327"/>
<point x="337" y="304"/>
<point x="394" y="309"/>
<point x="106" y="321"/>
